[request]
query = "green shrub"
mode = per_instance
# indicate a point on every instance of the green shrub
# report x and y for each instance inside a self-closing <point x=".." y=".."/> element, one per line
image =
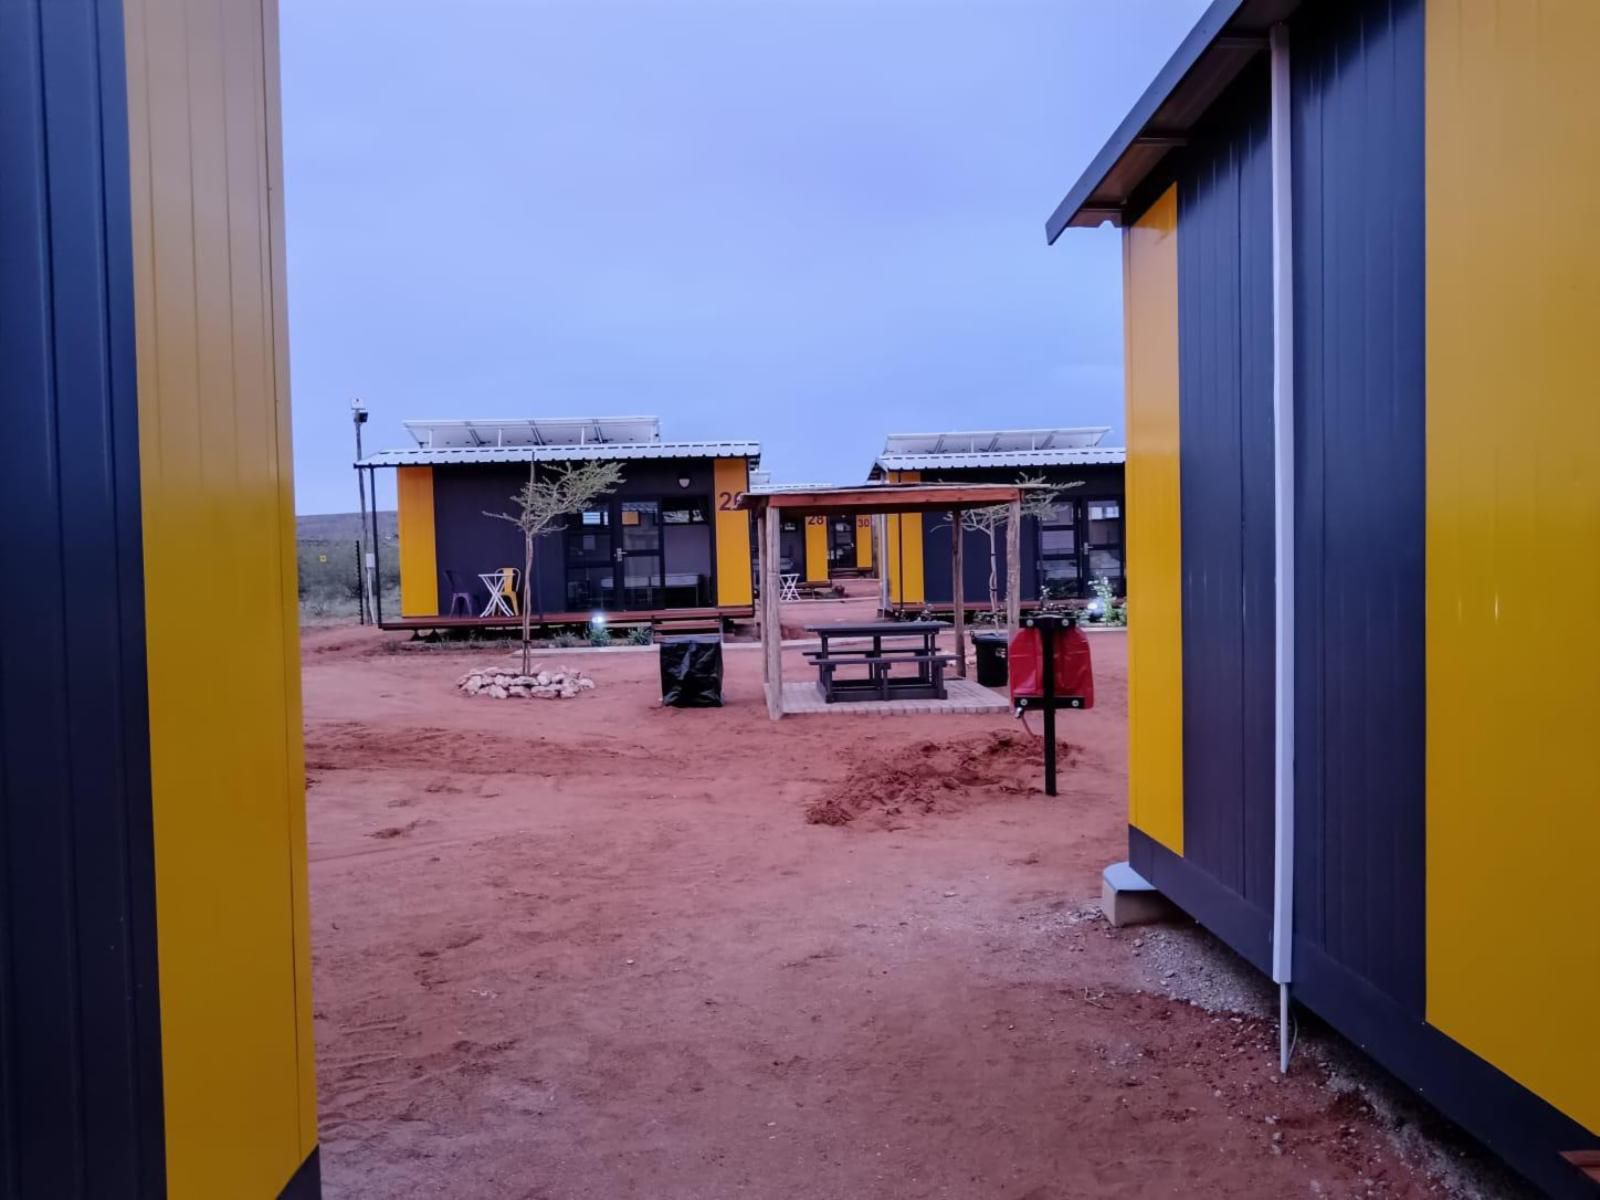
<point x="641" y="635"/>
<point x="566" y="641"/>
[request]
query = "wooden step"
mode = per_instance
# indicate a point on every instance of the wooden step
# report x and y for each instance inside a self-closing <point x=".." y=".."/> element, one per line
<point x="689" y="625"/>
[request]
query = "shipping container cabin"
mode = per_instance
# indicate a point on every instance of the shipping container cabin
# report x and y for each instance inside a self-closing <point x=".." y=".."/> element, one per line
<point x="818" y="547"/>
<point x="1360" y="242"/>
<point x="1062" y="551"/>
<point x="667" y="544"/>
<point x="155" y="987"/>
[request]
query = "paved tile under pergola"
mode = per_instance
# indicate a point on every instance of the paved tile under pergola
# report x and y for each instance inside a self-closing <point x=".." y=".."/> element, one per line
<point x="802" y="698"/>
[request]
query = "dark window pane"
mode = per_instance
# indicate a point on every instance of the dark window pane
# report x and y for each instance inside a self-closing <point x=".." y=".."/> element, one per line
<point x="590" y="588"/>
<point x="1106" y="562"/>
<point x="1058" y="578"/>
<point x="1058" y="541"/>
<point x="641" y="525"/>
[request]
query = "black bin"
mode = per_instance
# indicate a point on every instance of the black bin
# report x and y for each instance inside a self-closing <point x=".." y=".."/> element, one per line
<point x="691" y="671"/>
<point x="991" y="649"/>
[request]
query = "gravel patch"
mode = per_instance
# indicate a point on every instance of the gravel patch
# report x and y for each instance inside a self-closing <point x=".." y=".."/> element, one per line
<point x="1188" y="964"/>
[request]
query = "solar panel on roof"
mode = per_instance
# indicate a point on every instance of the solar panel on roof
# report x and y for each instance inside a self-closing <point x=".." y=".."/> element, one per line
<point x="534" y="431"/>
<point x="990" y="441"/>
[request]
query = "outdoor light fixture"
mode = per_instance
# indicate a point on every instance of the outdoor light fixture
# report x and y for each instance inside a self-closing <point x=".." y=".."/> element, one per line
<point x="598" y="620"/>
<point x="683" y="481"/>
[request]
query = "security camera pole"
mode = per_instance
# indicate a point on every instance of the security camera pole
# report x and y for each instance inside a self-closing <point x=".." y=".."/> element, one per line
<point x="364" y="553"/>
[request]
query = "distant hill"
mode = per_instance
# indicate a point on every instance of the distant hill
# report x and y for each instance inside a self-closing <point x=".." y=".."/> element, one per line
<point x="340" y="527"/>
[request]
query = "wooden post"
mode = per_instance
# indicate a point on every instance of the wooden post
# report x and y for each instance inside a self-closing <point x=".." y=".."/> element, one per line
<point x="958" y="593"/>
<point x="880" y="559"/>
<point x="760" y="530"/>
<point x="773" y="633"/>
<point x="1014" y="566"/>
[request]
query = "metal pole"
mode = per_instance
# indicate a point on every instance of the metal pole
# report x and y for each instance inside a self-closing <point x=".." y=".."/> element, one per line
<point x="958" y="595"/>
<point x="358" y="418"/>
<point x="372" y="555"/>
<point x="1047" y="647"/>
<point x="1283" y="531"/>
<point x="773" y="633"/>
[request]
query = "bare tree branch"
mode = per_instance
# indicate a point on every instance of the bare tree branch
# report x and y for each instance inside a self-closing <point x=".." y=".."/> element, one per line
<point x="542" y="506"/>
<point x="1039" y="499"/>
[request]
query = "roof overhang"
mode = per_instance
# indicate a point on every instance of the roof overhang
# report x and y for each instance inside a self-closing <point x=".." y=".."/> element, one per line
<point x="562" y="452"/>
<point x="1136" y="162"/>
<point x="884" y="498"/>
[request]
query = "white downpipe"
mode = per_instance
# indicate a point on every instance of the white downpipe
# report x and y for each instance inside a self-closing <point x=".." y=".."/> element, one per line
<point x="1283" y="534"/>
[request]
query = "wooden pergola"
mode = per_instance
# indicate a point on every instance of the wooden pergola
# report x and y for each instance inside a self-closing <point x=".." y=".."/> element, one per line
<point x="767" y="506"/>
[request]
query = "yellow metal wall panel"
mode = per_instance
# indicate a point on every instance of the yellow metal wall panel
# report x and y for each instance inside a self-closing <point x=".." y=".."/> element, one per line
<point x="864" y="543"/>
<point x="289" y="608"/>
<point x="734" y="574"/>
<point x="1153" y="521"/>
<point x="817" y="549"/>
<point x="904" y="549"/>
<point x="419" y="563"/>
<point x="1513" y="554"/>
<point x="219" y="564"/>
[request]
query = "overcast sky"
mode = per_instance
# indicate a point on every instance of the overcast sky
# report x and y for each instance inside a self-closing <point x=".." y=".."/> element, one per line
<point x="806" y="222"/>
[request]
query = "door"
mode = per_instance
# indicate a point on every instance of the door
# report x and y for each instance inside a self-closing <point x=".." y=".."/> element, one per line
<point x="841" y="542"/>
<point x="1079" y="541"/>
<point x="614" y="557"/>
<point x="638" y="554"/>
<point x="591" y="560"/>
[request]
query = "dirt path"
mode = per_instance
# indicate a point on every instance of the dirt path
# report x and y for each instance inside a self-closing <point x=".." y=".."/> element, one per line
<point x="594" y="949"/>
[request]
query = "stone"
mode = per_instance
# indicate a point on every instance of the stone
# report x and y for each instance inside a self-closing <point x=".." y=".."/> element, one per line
<point x="1128" y="898"/>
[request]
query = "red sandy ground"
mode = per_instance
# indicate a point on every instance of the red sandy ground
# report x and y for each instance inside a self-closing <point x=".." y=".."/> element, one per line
<point x="594" y="949"/>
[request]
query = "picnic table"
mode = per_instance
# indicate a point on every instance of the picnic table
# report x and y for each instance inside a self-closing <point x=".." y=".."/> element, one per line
<point x="891" y="644"/>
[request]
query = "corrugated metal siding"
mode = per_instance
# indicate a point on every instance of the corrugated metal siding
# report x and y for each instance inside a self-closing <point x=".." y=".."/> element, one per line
<point x="936" y="570"/>
<point x="564" y="453"/>
<point x="1225" y="420"/>
<point x="1513" y="558"/>
<point x="80" y="1066"/>
<point x="216" y="487"/>
<point x="1153" y="520"/>
<point x="1358" y="204"/>
<point x="986" y="460"/>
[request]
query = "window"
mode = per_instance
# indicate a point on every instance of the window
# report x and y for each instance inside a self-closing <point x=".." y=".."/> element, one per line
<point x="683" y="512"/>
<point x="1079" y="541"/>
<point x="1059" y="569"/>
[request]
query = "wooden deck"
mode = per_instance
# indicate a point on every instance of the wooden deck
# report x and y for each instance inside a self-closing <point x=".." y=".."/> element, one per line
<point x="654" y="616"/>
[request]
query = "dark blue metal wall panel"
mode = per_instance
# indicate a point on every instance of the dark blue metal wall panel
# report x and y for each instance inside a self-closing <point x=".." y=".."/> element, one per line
<point x="1225" y="428"/>
<point x="1093" y="482"/>
<point x="80" y="1068"/>
<point x="1360" y="471"/>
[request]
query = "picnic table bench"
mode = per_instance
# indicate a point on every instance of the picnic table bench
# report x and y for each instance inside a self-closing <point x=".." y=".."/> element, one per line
<point x="915" y="644"/>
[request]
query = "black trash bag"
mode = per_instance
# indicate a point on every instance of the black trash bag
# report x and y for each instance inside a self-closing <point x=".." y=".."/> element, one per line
<point x="992" y="658"/>
<point x="691" y="671"/>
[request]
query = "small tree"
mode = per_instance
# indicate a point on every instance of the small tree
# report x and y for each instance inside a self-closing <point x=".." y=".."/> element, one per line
<point x="542" y="506"/>
<point x="1038" y="500"/>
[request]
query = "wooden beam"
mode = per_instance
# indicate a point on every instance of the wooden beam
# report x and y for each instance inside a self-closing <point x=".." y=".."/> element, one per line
<point x="958" y="593"/>
<point x="772" y="640"/>
<point x="887" y="498"/>
<point x="762" y="554"/>
<point x="1014" y="567"/>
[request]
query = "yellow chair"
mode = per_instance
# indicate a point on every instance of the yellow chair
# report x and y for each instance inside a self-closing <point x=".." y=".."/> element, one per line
<point x="510" y="588"/>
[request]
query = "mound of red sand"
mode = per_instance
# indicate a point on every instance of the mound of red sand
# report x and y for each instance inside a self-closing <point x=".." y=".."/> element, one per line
<point x="936" y="777"/>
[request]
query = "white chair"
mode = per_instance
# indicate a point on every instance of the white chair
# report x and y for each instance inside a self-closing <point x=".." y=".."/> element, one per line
<point x="789" y="586"/>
